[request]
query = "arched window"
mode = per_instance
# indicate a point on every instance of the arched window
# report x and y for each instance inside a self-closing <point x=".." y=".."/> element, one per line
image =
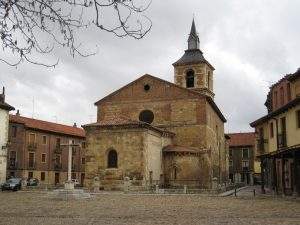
<point x="146" y="116"/>
<point x="190" y="77"/>
<point x="112" y="159"/>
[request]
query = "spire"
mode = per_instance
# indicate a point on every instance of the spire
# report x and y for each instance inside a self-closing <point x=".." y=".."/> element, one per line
<point x="193" y="41"/>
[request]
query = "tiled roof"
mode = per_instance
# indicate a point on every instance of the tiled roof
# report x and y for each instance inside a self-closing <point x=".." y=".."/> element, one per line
<point x="241" y="139"/>
<point x="191" y="56"/>
<point x="4" y="105"/>
<point x="47" y="126"/>
<point x="122" y="121"/>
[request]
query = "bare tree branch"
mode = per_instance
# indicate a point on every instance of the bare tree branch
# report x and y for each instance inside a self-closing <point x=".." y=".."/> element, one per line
<point x="37" y="26"/>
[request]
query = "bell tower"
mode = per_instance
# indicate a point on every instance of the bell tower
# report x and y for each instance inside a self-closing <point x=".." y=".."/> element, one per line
<point x="192" y="70"/>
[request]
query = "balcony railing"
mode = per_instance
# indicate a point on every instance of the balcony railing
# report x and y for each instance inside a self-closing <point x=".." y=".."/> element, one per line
<point x="32" y="146"/>
<point x="57" y="166"/>
<point x="282" y="140"/>
<point x="57" y="149"/>
<point x="12" y="165"/>
<point x="31" y="165"/>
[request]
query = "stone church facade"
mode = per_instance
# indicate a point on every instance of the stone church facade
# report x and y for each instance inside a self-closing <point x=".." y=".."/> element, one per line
<point x="157" y="132"/>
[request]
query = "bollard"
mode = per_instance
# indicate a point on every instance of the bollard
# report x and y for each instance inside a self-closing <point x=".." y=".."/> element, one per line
<point x="254" y="192"/>
<point x="235" y="192"/>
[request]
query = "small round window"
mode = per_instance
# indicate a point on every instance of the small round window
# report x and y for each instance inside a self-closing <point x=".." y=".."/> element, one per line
<point x="146" y="116"/>
<point x="146" y="87"/>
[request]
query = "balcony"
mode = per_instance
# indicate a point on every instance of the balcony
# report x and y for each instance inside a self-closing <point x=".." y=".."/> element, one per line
<point x="57" y="166"/>
<point x="31" y="165"/>
<point x="12" y="165"/>
<point x="32" y="147"/>
<point x="57" y="149"/>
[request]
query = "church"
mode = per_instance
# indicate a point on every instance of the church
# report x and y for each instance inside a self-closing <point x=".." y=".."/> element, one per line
<point x="155" y="132"/>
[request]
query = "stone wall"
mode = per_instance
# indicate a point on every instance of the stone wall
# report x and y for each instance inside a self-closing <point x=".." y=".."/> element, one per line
<point x="139" y="152"/>
<point x="3" y="143"/>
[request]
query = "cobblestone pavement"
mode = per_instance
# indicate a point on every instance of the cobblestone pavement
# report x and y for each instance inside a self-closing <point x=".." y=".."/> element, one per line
<point x="37" y="208"/>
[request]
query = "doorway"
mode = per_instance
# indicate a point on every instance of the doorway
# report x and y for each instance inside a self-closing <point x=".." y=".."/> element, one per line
<point x="56" y="179"/>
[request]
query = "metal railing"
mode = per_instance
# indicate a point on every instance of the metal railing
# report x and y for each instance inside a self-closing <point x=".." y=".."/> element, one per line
<point x="57" y="166"/>
<point x="32" y="146"/>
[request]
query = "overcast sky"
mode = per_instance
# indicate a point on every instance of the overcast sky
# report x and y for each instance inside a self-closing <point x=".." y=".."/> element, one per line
<point x="250" y="43"/>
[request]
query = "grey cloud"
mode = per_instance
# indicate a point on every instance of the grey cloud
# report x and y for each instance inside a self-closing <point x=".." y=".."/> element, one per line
<point x="249" y="43"/>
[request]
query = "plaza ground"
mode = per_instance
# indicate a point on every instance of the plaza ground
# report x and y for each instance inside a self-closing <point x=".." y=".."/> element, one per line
<point x="117" y="208"/>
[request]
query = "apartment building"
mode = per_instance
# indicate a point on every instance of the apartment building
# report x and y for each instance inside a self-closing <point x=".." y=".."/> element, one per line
<point x="278" y="137"/>
<point x="37" y="150"/>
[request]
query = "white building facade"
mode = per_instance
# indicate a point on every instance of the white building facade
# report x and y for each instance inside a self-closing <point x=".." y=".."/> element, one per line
<point x="4" y="121"/>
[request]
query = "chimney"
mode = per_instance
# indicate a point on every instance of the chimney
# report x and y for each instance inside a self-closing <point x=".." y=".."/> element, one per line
<point x="74" y="125"/>
<point x="18" y="113"/>
<point x="2" y="96"/>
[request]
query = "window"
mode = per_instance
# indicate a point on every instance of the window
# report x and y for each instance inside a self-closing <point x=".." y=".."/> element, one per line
<point x="43" y="157"/>
<point x="190" y="79"/>
<point x="31" y="138"/>
<point x="73" y="148"/>
<point x="245" y="153"/>
<point x="83" y="145"/>
<point x="230" y="163"/>
<point x="271" y="130"/>
<point x="42" y="176"/>
<point x="12" y="158"/>
<point x="73" y="176"/>
<point x="57" y="142"/>
<point x="230" y="152"/>
<point x="281" y="96"/>
<point x="83" y="161"/>
<point x="44" y="139"/>
<point x="14" y="131"/>
<point x="146" y="116"/>
<point x="31" y="160"/>
<point x="146" y="87"/>
<point x="112" y="159"/>
<point x="298" y="118"/>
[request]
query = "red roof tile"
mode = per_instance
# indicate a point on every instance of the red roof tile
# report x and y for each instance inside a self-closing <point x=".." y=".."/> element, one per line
<point x="123" y="121"/>
<point x="47" y="126"/>
<point x="241" y="139"/>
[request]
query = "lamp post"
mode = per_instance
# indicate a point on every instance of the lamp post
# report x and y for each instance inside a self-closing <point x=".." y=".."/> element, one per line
<point x="69" y="184"/>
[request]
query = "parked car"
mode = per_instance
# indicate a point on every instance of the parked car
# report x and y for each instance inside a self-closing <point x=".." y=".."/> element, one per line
<point x="13" y="184"/>
<point x="32" y="182"/>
